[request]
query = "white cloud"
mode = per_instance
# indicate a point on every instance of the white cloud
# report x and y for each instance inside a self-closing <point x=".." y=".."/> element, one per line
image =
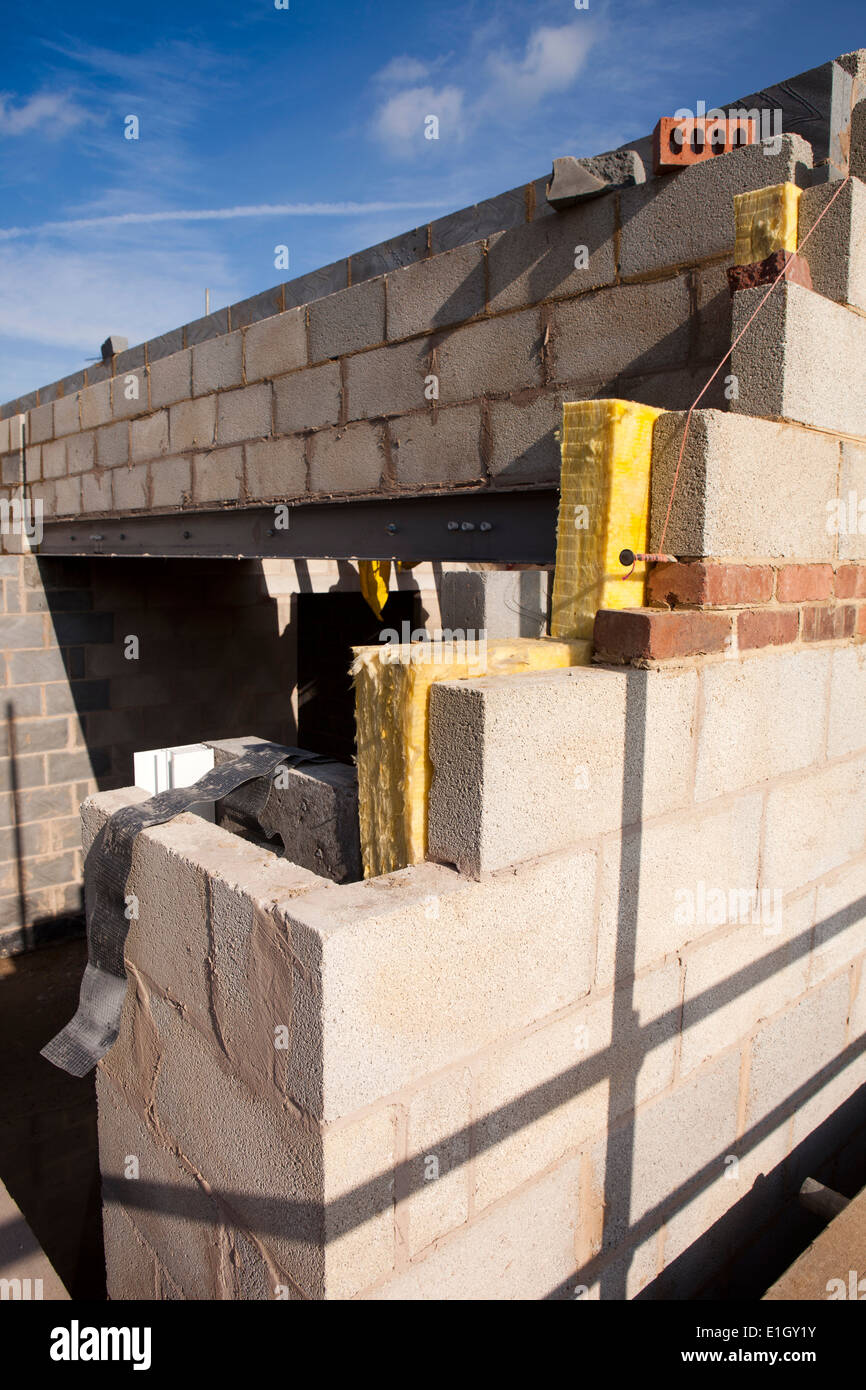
<point x="402" y="71"/>
<point x="49" y="113"/>
<point x="552" y="60"/>
<point x="399" y="122"/>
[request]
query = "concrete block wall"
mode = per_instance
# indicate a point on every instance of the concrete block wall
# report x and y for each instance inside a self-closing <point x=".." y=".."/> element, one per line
<point x="334" y="397"/>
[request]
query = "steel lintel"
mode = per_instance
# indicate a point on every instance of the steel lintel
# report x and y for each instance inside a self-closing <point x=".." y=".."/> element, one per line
<point x="498" y="528"/>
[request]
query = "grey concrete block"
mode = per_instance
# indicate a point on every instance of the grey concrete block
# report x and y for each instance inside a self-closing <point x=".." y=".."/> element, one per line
<point x="307" y="400"/>
<point x="95" y="405"/>
<point x="96" y="492"/>
<point x="388" y="381"/>
<point x="501" y="355"/>
<point x="129" y="359"/>
<point x="258" y="306"/>
<point x="80" y="452"/>
<point x="502" y="603"/>
<point x="112" y="445"/>
<point x="434" y="449"/>
<point x="801" y="359"/>
<point x="353" y="318"/>
<point x="50" y="393"/>
<point x="689" y="216"/>
<point x="66" y="412"/>
<point x="731" y="465"/>
<point x="129" y="488"/>
<point x="53" y="460"/>
<point x="276" y="468"/>
<point x="129" y="394"/>
<point x="315" y="814"/>
<point x="244" y="414"/>
<point x="348" y="459"/>
<point x="171" y="379"/>
<point x="848" y="523"/>
<point x="537" y="260"/>
<point x="192" y="424"/>
<point x="166" y="345"/>
<point x="836" y="251"/>
<point x="40" y="423"/>
<point x="150" y="436"/>
<point x="524" y="447"/>
<point x="171" y="482"/>
<point x="479" y="221"/>
<point x="316" y="284"/>
<point x="217" y="364"/>
<point x="67" y="495"/>
<point x="276" y="345"/>
<point x="388" y="255"/>
<point x="210" y="326"/>
<point x="218" y="476"/>
<point x="436" y="293"/>
<point x="627" y="329"/>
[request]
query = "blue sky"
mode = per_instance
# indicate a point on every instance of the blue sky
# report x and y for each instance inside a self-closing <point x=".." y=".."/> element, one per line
<point x="244" y="107"/>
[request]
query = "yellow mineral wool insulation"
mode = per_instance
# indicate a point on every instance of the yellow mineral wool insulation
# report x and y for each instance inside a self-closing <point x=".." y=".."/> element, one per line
<point x="604" y="498"/>
<point x="392" y="688"/>
<point x="374" y="576"/>
<point x="766" y="221"/>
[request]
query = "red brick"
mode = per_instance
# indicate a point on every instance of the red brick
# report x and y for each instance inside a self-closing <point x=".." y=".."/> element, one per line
<point x="861" y="620"/>
<point x="703" y="137"/>
<point x="641" y="634"/>
<point x="827" y="622"/>
<point x="767" y="271"/>
<point x="797" y="583"/>
<point x="851" y="581"/>
<point x="701" y="585"/>
<point x="767" y="627"/>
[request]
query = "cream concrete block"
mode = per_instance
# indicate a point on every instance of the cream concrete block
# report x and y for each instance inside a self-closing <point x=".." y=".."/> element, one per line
<point x="771" y="954"/>
<point x="788" y="1055"/>
<point x="814" y="824"/>
<point x="526" y="765"/>
<point x="522" y="1250"/>
<point x="731" y="467"/>
<point x="846" y="519"/>
<point x="761" y="716"/>
<point x="847" y="732"/>
<point x="840" y="921"/>
<point x="651" y="891"/>
<point x="513" y="949"/>
<point x="439" y="1118"/>
<point x="358" y="1163"/>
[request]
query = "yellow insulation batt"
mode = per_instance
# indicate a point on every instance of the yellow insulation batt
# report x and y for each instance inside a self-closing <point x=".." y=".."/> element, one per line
<point x="766" y="221"/>
<point x="392" y="687"/>
<point x="603" y="508"/>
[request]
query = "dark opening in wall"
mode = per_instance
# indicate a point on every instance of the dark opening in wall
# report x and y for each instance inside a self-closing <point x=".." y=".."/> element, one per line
<point x="329" y="625"/>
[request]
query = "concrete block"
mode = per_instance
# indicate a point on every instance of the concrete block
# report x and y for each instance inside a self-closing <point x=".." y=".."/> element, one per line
<point x="276" y="468"/>
<point x="846" y="521"/>
<point x="847" y="729"/>
<point x="276" y="345"/>
<point x="500" y="355"/>
<point x="347" y="459"/>
<point x="112" y="445"/>
<point x="436" y="292"/>
<point x="502" y="603"/>
<point x="259" y="306"/>
<point x="218" y="475"/>
<point x="171" y="379"/>
<point x="389" y="255"/>
<point x="563" y="255"/>
<point x="524" y="447"/>
<point x="131" y="1268"/>
<point x="150" y="436"/>
<point x="388" y="381"/>
<point x="244" y="414"/>
<point x="80" y="449"/>
<point x="814" y="823"/>
<point x="444" y="447"/>
<point x="538" y="761"/>
<point x="307" y="400"/>
<point x="761" y="717"/>
<point x="95" y="405"/>
<point x="129" y="488"/>
<point x="210" y="326"/>
<point x="54" y="459"/>
<point x="836" y="250"/>
<point x="437" y="1146"/>
<point x="129" y="394"/>
<point x="166" y="345"/>
<point x="800" y="359"/>
<point x="790" y="1051"/>
<point x="358" y="1163"/>
<point x="40" y="423"/>
<point x="658" y="223"/>
<point x="217" y="364"/>
<point x="66" y="412"/>
<point x="192" y="423"/>
<point x="316" y="284"/>
<point x="351" y="319"/>
<point x="67" y="496"/>
<point x="772" y="954"/>
<point x="383" y="947"/>
<point x="628" y="329"/>
<point x="171" y="482"/>
<point x="720" y="506"/>
<point x="651" y="902"/>
<point x="96" y="492"/>
<point x="520" y="1251"/>
<point x="840" y="912"/>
